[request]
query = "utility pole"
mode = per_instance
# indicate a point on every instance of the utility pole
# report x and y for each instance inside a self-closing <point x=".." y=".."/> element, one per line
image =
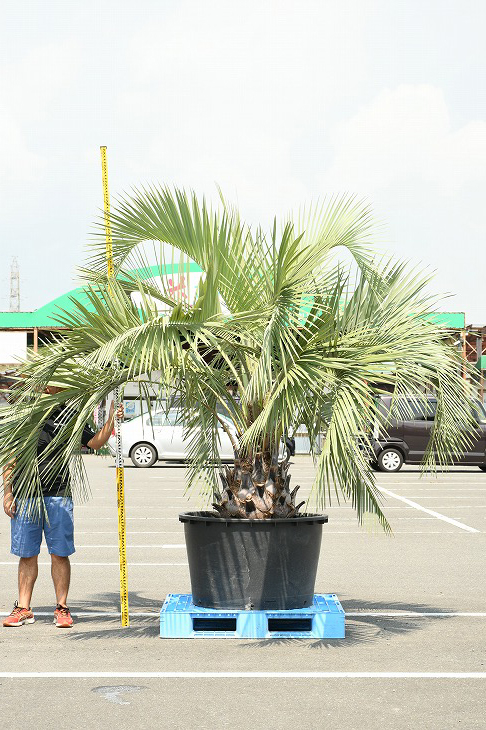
<point x="14" y="286"/>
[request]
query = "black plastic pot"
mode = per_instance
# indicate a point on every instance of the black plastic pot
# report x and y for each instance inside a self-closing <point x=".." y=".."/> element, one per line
<point x="252" y="564"/>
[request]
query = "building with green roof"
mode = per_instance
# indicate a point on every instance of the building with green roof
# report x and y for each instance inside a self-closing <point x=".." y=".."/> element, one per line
<point x="21" y="331"/>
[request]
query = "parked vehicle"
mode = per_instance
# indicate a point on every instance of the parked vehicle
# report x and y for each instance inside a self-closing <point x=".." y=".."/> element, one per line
<point x="405" y="440"/>
<point x="159" y="436"/>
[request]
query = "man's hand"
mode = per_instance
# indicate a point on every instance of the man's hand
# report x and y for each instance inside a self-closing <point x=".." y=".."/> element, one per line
<point x="100" y="438"/>
<point x="120" y="412"/>
<point x="9" y="506"/>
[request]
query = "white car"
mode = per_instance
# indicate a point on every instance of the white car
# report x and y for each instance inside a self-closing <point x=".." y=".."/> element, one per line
<point x="147" y="439"/>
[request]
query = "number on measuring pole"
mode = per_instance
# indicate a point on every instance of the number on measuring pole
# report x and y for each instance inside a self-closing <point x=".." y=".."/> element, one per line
<point x="120" y="479"/>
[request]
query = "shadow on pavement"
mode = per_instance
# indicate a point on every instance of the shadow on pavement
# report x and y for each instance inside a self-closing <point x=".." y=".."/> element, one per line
<point x="366" y="629"/>
<point x="110" y="602"/>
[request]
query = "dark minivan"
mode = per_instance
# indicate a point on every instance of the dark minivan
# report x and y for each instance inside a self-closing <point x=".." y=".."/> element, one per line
<point x="406" y="439"/>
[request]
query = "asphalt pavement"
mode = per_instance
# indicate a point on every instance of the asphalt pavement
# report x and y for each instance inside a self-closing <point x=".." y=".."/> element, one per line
<point x="415" y="646"/>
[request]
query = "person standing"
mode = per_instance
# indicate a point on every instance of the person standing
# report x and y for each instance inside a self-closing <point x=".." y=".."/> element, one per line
<point x="58" y="528"/>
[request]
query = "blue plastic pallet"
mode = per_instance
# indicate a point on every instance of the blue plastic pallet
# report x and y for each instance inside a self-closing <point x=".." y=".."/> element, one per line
<point x="181" y="619"/>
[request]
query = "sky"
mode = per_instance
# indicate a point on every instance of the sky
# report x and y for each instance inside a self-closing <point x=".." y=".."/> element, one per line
<point x="278" y="102"/>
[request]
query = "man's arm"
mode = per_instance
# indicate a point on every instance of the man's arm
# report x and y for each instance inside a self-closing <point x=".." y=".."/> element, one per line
<point x="101" y="438"/>
<point x="8" y="498"/>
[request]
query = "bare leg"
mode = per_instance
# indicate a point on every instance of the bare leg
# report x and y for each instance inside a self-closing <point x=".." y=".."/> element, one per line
<point x="61" y="577"/>
<point x="28" y="570"/>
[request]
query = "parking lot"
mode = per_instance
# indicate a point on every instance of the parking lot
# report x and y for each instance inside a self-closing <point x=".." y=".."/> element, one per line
<point x="415" y="647"/>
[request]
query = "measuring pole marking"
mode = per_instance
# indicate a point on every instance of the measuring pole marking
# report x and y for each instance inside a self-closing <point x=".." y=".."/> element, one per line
<point x="120" y="479"/>
<point x="106" y="201"/>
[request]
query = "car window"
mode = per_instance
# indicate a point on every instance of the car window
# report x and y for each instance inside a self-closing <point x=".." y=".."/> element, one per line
<point x="163" y="419"/>
<point x="158" y="419"/>
<point x="173" y="418"/>
<point x="418" y="409"/>
<point x="479" y="412"/>
<point x="383" y="405"/>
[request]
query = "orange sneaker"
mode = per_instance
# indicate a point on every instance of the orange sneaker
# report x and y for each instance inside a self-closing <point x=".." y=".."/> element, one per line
<point x="19" y="616"/>
<point x="62" y="617"/>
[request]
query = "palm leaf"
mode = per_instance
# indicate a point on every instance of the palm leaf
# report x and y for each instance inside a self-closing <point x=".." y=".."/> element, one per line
<point x="279" y="333"/>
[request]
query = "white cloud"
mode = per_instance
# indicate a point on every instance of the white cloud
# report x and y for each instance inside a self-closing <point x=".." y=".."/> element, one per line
<point x="30" y="86"/>
<point x="278" y="101"/>
<point x="228" y="89"/>
<point x="17" y="161"/>
<point x="31" y="83"/>
<point x="405" y="134"/>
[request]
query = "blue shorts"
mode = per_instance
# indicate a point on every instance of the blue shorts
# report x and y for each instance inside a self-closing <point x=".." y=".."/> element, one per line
<point x="26" y="535"/>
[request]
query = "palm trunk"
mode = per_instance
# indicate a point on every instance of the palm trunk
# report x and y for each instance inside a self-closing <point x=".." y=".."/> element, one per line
<point x="257" y="489"/>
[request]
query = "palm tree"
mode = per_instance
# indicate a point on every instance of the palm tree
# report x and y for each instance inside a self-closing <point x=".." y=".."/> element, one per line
<point x="279" y="333"/>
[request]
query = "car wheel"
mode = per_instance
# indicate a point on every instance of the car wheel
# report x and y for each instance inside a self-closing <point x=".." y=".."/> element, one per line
<point x="482" y="467"/>
<point x="143" y="455"/>
<point x="390" y="460"/>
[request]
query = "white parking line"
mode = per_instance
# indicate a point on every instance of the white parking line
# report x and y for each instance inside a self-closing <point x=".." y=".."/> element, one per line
<point x="329" y="508"/>
<point x="243" y="675"/>
<point x="341" y="521"/>
<point x="131" y="545"/>
<point x="173" y="546"/>
<point x="442" y="506"/>
<point x="438" y="515"/>
<point x="180" y="531"/>
<point x="387" y="614"/>
<point x="422" y="484"/>
<point x="96" y="505"/>
<point x="88" y="565"/>
<point x="80" y="519"/>
<point x="416" y="614"/>
<point x="160" y="476"/>
<point x="142" y="532"/>
<point x="95" y="614"/>
<point x="167" y="489"/>
<point x="432" y="496"/>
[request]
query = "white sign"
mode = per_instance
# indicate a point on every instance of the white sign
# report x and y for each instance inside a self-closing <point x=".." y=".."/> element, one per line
<point x="180" y="287"/>
<point x="13" y="345"/>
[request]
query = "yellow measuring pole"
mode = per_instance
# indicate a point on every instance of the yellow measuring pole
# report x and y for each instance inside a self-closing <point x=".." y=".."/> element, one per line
<point x="120" y="474"/>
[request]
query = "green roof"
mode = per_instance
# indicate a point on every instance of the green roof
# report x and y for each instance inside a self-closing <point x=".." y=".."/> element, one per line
<point x="44" y="317"/>
<point x="452" y="320"/>
<point x="481" y="363"/>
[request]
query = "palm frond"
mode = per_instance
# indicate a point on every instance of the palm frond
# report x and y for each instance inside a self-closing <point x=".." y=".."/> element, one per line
<point x="278" y="333"/>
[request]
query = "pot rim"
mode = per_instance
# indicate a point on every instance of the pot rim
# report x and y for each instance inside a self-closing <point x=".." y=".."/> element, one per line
<point x="202" y="516"/>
